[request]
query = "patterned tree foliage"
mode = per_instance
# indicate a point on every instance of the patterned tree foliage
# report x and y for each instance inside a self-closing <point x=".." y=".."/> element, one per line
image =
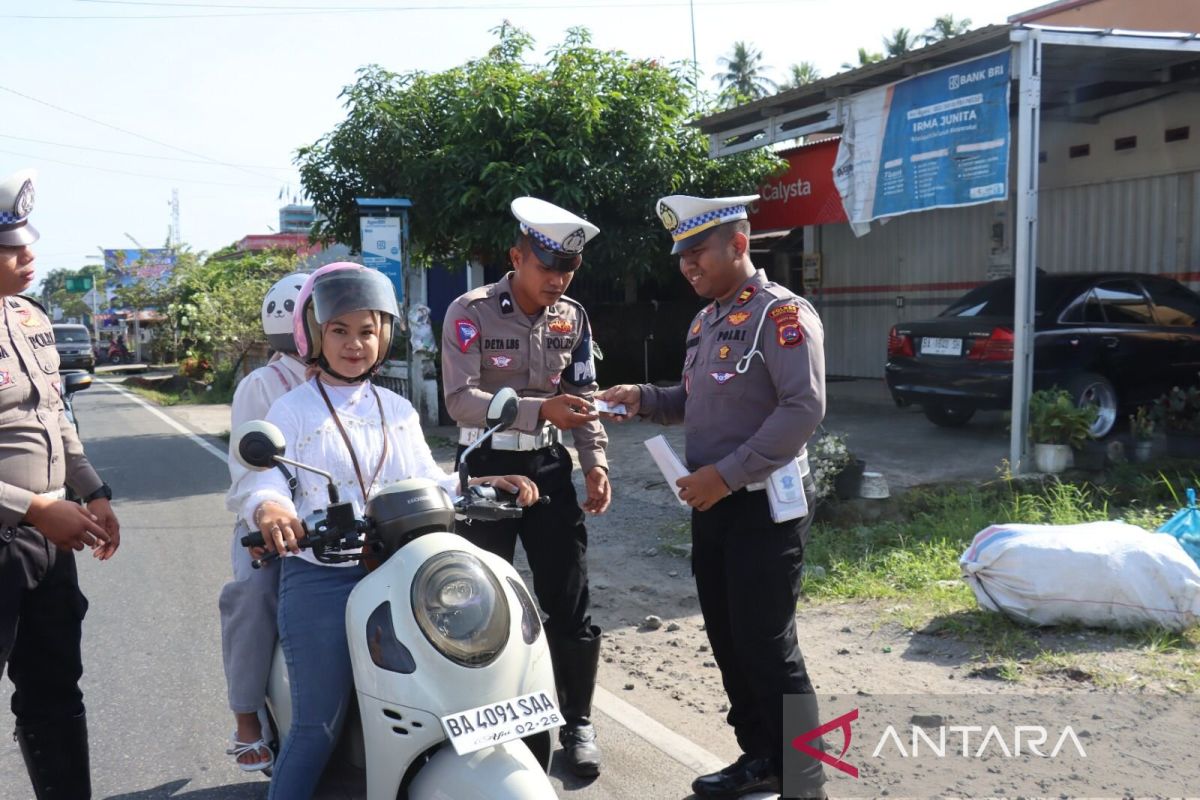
<point x="595" y="131"/>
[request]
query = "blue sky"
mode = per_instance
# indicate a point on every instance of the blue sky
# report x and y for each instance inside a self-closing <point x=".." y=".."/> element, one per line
<point x="116" y="106"/>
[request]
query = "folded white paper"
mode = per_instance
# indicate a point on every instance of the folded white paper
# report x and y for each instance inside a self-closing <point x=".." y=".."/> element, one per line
<point x="669" y="463"/>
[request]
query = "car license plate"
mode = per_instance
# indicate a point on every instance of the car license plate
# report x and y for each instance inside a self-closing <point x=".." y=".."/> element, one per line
<point x="937" y="346"/>
<point x="496" y="723"/>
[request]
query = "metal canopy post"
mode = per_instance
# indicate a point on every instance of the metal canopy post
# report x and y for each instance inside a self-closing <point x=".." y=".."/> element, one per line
<point x="1028" y="57"/>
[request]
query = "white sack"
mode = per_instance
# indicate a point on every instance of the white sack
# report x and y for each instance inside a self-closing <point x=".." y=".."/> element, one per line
<point x="1099" y="574"/>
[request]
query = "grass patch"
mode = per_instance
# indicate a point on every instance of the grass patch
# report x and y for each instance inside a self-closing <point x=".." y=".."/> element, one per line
<point x="910" y="562"/>
<point x="186" y="397"/>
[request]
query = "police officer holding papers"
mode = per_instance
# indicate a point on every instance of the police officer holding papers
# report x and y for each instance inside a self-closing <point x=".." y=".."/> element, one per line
<point x="753" y="393"/>
<point x="523" y="332"/>
<point x="41" y="606"/>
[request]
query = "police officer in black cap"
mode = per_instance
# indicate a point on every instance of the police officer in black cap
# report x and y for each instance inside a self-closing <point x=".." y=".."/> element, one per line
<point x="41" y="606"/>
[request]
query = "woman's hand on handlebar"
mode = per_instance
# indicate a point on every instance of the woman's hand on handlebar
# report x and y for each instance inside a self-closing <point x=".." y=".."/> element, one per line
<point x="281" y="529"/>
<point x="524" y="488"/>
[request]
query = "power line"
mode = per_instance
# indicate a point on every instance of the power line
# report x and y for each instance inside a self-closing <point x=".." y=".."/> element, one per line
<point x="134" y="155"/>
<point x="136" y="135"/>
<point x="298" y="11"/>
<point x="503" y="6"/>
<point x="136" y="174"/>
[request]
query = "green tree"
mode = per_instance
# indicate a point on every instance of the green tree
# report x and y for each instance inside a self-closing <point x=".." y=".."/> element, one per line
<point x="595" y="131"/>
<point x="801" y="74"/>
<point x="900" y="42"/>
<point x="54" y="290"/>
<point x="945" y="27"/>
<point x="215" y="305"/>
<point x="865" y="58"/>
<point x="743" y="78"/>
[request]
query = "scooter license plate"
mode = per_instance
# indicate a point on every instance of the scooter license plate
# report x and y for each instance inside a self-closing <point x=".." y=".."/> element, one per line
<point x="496" y="723"/>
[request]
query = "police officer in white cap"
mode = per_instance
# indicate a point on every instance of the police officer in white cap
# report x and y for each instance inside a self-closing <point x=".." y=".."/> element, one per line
<point x="753" y="392"/>
<point x="41" y="606"/>
<point x="523" y="332"/>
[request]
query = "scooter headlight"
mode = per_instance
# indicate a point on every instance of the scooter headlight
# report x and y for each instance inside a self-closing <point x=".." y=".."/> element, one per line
<point x="460" y="608"/>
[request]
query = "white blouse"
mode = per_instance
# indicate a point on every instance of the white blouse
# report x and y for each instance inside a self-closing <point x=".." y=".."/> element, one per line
<point x="313" y="438"/>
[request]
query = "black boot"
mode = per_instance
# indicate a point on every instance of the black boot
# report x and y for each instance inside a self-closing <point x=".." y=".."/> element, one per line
<point x="575" y="663"/>
<point x="56" y="756"/>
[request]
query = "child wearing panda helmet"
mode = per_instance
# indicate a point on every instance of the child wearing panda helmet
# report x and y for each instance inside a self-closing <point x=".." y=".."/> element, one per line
<point x="248" y="602"/>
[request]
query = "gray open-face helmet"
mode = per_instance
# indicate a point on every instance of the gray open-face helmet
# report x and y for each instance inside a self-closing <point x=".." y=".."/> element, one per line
<point x="337" y="289"/>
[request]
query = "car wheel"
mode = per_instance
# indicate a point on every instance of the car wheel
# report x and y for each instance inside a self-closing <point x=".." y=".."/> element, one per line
<point x="1099" y="391"/>
<point x="948" y="415"/>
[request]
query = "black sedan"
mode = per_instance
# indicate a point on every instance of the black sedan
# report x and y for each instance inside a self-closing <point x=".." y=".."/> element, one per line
<point x="1115" y="339"/>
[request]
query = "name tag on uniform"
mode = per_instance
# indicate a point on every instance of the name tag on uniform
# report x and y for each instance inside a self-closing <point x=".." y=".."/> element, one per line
<point x="785" y="493"/>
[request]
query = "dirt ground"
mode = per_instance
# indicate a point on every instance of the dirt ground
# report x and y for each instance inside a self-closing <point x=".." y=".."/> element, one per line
<point x="639" y="568"/>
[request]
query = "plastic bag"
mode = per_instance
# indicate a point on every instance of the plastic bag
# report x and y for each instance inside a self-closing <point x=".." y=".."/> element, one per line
<point x="1185" y="526"/>
<point x="1100" y="574"/>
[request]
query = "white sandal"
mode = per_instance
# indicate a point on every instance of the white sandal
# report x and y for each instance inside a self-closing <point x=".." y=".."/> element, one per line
<point x="238" y="749"/>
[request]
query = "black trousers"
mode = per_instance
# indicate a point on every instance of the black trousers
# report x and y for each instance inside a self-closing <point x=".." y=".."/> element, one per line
<point x="553" y="534"/>
<point x="747" y="570"/>
<point x="41" y="623"/>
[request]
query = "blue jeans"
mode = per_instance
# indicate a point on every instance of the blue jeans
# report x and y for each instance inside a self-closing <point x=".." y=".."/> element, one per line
<point x="312" y="631"/>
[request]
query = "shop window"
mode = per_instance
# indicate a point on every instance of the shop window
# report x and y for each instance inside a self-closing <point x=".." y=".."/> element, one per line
<point x="1080" y="151"/>
<point x="1124" y="143"/>
<point x="1177" y="134"/>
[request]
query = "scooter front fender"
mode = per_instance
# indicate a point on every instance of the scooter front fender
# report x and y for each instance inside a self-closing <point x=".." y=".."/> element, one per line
<point x="507" y="771"/>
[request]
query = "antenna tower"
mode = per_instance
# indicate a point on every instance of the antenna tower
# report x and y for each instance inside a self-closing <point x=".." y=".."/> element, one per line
<point x="175" y="238"/>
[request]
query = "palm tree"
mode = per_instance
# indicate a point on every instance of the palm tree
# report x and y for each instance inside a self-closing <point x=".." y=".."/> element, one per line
<point x="946" y="27"/>
<point x="902" y="41"/>
<point x="864" y="58"/>
<point x="801" y="74"/>
<point x="743" y="77"/>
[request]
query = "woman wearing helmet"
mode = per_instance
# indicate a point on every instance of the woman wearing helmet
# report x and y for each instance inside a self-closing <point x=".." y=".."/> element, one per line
<point x="248" y="601"/>
<point x="367" y="438"/>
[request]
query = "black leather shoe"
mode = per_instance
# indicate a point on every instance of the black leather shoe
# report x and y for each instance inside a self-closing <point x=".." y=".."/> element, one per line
<point x="579" y="746"/>
<point x="747" y="774"/>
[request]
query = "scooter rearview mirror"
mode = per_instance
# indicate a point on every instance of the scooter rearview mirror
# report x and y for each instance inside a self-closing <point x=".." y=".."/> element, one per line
<point x="75" y="381"/>
<point x="256" y="443"/>
<point x="502" y="411"/>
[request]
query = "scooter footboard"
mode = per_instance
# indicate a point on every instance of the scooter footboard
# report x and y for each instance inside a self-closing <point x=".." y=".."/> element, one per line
<point x="507" y="771"/>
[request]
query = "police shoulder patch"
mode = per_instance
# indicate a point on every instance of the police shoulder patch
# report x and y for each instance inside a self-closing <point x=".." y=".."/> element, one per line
<point x="788" y="332"/>
<point x="466" y="332"/>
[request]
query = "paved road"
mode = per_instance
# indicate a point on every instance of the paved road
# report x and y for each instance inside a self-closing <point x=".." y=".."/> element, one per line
<point x="153" y="678"/>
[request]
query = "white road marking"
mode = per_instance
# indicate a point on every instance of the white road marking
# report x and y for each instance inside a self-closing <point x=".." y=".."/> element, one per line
<point x="216" y="451"/>
<point x="680" y="748"/>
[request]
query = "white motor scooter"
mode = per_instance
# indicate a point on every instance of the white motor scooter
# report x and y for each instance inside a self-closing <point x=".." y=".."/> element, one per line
<point x="452" y="673"/>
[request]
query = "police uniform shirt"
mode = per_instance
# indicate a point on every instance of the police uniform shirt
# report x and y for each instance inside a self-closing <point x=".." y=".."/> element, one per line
<point x="748" y="415"/>
<point x="39" y="448"/>
<point x="489" y="343"/>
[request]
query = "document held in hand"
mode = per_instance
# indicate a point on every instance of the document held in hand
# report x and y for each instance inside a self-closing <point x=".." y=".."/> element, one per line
<point x="669" y="463"/>
<point x="785" y="492"/>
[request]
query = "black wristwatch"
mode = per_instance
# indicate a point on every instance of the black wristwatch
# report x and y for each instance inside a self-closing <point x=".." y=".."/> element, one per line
<point x="104" y="491"/>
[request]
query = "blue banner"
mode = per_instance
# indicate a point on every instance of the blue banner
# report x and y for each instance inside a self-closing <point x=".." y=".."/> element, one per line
<point x="932" y="141"/>
<point x="381" y="249"/>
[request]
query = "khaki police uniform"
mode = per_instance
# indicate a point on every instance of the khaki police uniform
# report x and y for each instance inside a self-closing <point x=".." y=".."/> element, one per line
<point x="488" y="344"/>
<point x="41" y="606"/>
<point x="753" y="393"/>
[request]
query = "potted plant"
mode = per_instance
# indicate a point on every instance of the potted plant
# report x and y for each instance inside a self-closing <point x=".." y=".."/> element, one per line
<point x="1179" y="413"/>
<point x="1142" y="425"/>
<point x="835" y="471"/>
<point x="1056" y="427"/>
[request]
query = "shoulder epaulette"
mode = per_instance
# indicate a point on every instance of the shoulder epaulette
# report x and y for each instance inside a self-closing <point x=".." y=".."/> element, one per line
<point x="477" y="294"/>
<point x="35" y="303"/>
